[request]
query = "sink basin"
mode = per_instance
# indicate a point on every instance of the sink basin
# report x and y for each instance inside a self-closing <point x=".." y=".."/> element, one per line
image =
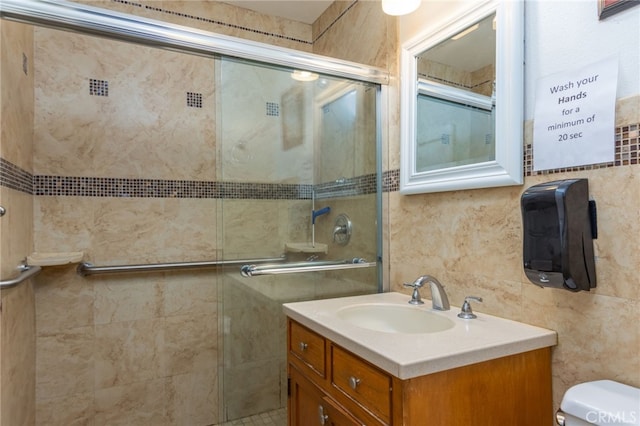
<point x="391" y="318"/>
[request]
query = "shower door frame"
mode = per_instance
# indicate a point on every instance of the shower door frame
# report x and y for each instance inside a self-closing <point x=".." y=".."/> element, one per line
<point x="120" y="26"/>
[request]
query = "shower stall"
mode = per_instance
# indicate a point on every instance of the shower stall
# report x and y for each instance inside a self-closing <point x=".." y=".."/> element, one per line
<point x="298" y="148"/>
<point x="174" y="159"/>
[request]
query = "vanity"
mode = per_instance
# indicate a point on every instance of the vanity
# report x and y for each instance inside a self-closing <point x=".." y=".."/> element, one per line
<point x="348" y="365"/>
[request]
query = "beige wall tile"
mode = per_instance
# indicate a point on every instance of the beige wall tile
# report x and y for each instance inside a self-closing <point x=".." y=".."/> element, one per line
<point x="17" y="355"/>
<point x="627" y="110"/>
<point x="364" y="25"/>
<point x="458" y="232"/>
<point x="139" y="403"/>
<point x="143" y="126"/>
<point x="127" y="298"/>
<point x="16" y="108"/>
<point x="63" y="301"/>
<point x="16" y="230"/>
<point x="72" y="373"/>
<point x="596" y="336"/>
<point x="192" y="399"/>
<point x="72" y="410"/>
<point x="17" y="322"/>
<point x="62" y="224"/>
<point x="190" y="344"/>
<point x="257" y="241"/>
<point x="190" y="293"/>
<point x="128" y="352"/>
<point x="329" y="16"/>
<point x="139" y="235"/>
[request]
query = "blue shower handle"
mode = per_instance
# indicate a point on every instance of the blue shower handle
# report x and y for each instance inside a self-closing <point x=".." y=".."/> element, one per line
<point x="316" y="213"/>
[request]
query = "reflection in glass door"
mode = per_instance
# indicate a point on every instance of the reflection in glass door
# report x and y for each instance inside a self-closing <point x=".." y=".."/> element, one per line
<point x="292" y="157"/>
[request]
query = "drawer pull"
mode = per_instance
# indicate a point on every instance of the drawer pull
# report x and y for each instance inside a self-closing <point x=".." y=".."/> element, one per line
<point x="303" y="346"/>
<point x="322" y="416"/>
<point x="353" y="382"/>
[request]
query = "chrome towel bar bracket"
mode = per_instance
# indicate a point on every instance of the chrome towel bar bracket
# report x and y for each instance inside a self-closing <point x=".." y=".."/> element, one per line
<point x="25" y="272"/>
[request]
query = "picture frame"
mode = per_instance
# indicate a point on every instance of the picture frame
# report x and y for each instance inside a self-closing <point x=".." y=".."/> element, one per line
<point x="607" y="8"/>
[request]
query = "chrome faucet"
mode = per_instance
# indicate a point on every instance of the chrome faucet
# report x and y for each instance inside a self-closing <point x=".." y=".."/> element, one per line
<point x="439" y="299"/>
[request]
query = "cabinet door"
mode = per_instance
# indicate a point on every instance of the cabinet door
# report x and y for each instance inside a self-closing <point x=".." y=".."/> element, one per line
<point x="309" y="406"/>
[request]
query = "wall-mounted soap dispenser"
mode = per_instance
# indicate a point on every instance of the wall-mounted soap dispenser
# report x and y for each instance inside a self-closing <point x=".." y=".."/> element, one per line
<point x="559" y="226"/>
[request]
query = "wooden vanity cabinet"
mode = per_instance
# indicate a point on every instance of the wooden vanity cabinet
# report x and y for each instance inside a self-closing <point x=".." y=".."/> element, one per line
<point x="328" y="385"/>
<point x="309" y="405"/>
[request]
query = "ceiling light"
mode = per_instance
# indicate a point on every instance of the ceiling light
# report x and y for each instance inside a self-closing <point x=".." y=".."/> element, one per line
<point x="303" y="75"/>
<point x="465" y="32"/>
<point x="399" y="7"/>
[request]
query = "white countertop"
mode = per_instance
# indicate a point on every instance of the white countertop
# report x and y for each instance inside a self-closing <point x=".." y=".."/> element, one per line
<point x="411" y="355"/>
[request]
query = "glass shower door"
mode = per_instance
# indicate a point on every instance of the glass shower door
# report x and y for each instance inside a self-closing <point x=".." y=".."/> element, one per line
<point x="292" y="158"/>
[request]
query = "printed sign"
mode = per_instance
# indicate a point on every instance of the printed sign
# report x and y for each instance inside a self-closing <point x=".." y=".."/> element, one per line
<point x="575" y="117"/>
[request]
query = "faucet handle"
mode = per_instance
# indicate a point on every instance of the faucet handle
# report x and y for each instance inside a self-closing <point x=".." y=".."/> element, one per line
<point x="415" y="284"/>
<point x="415" y="296"/>
<point x="466" y="312"/>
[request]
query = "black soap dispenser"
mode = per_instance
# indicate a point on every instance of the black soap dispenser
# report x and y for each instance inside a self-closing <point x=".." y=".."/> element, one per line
<point x="559" y="226"/>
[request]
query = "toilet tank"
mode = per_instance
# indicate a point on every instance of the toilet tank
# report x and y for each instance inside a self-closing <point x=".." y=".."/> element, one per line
<point x="602" y="402"/>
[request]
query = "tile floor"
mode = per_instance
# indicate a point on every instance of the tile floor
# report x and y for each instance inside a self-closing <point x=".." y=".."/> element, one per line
<point x="270" y="418"/>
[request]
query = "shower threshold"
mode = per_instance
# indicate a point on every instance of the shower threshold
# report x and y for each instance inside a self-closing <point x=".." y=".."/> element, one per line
<point x="270" y="418"/>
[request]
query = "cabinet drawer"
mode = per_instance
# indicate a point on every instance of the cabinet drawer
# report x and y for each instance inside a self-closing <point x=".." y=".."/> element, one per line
<point x="307" y="346"/>
<point x="367" y="385"/>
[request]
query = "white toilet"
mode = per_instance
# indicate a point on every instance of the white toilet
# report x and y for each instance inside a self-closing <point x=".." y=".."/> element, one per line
<point x="602" y="402"/>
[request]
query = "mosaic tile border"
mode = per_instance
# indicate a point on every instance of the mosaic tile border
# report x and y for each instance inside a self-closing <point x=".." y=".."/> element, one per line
<point x="627" y="146"/>
<point x="627" y="153"/>
<point x="12" y="176"/>
<point x="365" y="184"/>
<point x="72" y="186"/>
<point x="391" y="181"/>
<point x="234" y="26"/>
<point x="210" y="21"/>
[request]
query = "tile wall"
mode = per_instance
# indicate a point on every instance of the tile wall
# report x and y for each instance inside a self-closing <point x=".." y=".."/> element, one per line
<point x="17" y="316"/>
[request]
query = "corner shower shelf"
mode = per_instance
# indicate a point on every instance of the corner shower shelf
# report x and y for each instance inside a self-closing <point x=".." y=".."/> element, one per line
<point x="306" y="248"/>
<point x="54" y="259"/>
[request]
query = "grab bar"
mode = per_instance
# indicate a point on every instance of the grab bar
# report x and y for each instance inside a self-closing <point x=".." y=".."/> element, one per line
<point x="87" y="268"/>
<point x="26" y="272"/>
<point x="290" y="268"/>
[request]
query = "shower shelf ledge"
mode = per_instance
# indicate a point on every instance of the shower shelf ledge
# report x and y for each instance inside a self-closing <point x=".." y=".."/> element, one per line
<point x="306" y="248"/>
<point x="54" y="259"/>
